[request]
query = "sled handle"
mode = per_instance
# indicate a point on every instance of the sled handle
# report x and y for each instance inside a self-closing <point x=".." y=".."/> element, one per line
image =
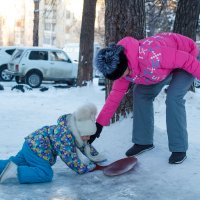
<point x="98" y="167"/>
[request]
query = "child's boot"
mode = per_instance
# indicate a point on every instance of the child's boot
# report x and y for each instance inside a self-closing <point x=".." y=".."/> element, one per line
<point x="10" y="172"/>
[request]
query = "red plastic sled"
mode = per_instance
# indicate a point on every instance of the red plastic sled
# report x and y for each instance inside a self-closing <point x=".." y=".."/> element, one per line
<point x="118" y="167"/>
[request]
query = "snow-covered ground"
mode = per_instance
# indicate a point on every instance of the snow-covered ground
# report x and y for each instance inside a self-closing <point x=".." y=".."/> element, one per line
<point x="153" y="178"/>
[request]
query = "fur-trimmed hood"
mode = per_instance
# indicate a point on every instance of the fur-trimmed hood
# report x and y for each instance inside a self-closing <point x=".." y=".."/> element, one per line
<point x="81" y="123"/>
<point x="85" y="112"/>
<point x="84" y="118"/>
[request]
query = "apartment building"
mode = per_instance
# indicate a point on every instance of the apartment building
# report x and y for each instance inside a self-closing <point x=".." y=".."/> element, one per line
<point x="16" y="22"/>
<point x="57" y="18"/>
<point x="2" y="20"/>
<point x="59" y="22"/>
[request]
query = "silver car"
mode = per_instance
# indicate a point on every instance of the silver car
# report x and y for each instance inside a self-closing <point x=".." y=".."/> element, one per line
<point x="5" y="55"/>
<point x="32" y="65"/>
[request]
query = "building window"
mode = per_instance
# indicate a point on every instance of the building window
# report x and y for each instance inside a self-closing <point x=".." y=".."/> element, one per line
<point x="50" y="40"/>
<point x="46" y="2"/>
<point x="47" y="40"/>
<point x="54" y="41"/>
<point x="47" y="27"/>
<point x="53" y="27"/>
<point x="50" y="14"/>
<point x="67" y="14"/>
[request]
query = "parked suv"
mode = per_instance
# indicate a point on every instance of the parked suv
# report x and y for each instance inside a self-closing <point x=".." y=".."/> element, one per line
<point x="5" y="55"/>
<point x="32" y="65"/>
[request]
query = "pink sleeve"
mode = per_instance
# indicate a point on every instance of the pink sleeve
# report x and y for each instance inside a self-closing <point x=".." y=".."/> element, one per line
<point x="172" y="58"/>
<point x="116" y="95"/>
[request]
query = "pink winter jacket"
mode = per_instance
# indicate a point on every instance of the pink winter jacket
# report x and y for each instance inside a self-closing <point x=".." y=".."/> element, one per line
<point x="150" y="61"/>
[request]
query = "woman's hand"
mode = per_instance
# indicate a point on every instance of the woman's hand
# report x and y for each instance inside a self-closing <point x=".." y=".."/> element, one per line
<point x="97" y="134"/>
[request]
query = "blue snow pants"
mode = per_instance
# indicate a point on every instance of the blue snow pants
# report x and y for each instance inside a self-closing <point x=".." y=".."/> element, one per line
<point x="143" y="116"/>
<point x="31" y="168"/>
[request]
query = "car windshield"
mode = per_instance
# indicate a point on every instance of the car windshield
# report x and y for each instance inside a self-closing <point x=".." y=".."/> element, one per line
<point x="10" y="51"/>
<point x="17" y="54"/>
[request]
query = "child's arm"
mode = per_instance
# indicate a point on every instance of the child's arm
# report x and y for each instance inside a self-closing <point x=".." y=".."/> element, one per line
<point x="69" y="155"/>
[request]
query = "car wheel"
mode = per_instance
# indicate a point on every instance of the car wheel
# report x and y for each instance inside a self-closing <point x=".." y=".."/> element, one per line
<point x="33" y="79"/>
<point x="3" y="75"/>
<point x="196" y="83"/>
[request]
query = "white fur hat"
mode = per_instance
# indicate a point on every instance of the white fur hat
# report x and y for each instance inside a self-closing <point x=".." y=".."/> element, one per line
<point x="85" y="119"/>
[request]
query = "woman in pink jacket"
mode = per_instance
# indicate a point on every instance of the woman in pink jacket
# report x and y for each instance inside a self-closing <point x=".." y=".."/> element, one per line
<point x="151" y="63"/>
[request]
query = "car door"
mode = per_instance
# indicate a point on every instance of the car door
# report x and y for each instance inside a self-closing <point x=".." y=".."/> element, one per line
<point x="36" y="59"/>
<point x="61" y="65"/>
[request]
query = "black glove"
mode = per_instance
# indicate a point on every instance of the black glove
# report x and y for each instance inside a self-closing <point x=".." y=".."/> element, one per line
<point x="97" y="134"/>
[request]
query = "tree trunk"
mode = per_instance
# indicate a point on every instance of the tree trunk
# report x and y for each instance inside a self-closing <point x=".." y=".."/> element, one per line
<point x="85" y="67"/>
<point x="186" y="20"/>
<point x="123" y="18"/>
<point x="187" y="16"/>
<point x="36" y="23"/>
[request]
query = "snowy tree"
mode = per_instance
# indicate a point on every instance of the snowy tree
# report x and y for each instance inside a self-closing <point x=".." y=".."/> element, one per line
<point x="123" y="18"/>
<point x="85" y="67"/>
<point x="160" y="15"/>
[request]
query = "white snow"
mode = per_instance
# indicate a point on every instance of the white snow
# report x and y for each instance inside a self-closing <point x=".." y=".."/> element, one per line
<point x="153" y="178"/>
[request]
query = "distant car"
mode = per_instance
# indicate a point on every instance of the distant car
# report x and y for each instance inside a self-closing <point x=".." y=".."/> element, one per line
<point x="102" y="80"/>
<point x="196" y="83"/>
<point x="198" y="43"/>
<point x="32" y="65"/>
<point x="5" y="55"/>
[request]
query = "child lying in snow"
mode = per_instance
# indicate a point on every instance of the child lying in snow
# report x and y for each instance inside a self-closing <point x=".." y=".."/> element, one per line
<point x="33" y="162"/>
